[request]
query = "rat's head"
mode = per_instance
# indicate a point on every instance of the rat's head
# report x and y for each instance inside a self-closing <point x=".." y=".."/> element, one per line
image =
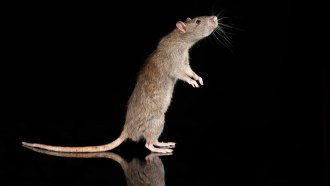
<point x="198" y="27"/>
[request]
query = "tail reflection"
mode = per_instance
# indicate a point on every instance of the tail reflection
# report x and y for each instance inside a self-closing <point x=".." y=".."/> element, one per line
<point x="137" y="172"/>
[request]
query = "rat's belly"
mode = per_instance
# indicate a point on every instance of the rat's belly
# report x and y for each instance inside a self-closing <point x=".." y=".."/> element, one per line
<point x="162" y="98"/>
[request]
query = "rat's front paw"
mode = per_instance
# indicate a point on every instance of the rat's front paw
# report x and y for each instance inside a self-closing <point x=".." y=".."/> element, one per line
<point x="193" y="83"/>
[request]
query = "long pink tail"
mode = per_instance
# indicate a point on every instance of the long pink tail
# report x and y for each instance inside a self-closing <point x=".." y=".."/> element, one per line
<point x="99" y="148"/>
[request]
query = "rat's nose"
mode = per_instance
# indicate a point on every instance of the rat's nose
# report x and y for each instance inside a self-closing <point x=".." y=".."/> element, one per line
<point x="214" y="19"/>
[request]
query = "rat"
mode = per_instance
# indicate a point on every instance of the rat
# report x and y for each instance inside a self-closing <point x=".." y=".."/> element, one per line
<point x="149" y="171"/>
<point x="152" y="94"/>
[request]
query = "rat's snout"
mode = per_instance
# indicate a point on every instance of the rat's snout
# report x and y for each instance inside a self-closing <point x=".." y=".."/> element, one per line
<point x="214" y="19"/>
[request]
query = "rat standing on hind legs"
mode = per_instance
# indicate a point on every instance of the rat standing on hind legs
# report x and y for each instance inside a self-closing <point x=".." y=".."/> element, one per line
<point x="153" y="91"/>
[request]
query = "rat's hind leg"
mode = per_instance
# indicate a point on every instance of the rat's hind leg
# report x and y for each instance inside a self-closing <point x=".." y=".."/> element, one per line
<point x="165" y="144"/>
<point x="155" y="128"/>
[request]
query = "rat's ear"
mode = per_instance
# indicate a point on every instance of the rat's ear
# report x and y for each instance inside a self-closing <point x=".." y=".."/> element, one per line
<point x="188" y="19"/>
<point x="181" y="26"/>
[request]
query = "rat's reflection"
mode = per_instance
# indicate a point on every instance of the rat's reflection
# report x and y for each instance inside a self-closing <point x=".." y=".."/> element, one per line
<point x="137" y="172"/>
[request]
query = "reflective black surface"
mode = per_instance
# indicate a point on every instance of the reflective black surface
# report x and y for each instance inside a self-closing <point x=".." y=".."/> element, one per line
<point x="260" y="119"/>
<point x="230" y="154"/>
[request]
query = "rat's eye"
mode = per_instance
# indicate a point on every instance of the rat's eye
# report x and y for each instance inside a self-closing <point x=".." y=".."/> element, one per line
<point x="198" y="21"/>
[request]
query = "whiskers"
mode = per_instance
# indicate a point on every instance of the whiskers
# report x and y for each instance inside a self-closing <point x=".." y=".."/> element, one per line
<point x="224" y="32"/>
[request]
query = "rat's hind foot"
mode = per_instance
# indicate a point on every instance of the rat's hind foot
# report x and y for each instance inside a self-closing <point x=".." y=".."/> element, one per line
<point x="151" y="147"/>
<point x="165" y="144"/>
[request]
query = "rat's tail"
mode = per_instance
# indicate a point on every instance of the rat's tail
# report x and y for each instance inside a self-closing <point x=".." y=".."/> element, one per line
<point x="101" y="148"/>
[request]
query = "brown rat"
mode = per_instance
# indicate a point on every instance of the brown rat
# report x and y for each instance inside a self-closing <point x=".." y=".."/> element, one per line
<point x="153" y="91"/>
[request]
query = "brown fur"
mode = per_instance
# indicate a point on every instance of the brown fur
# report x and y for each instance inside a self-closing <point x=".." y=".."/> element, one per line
<point x="152" y="94"/>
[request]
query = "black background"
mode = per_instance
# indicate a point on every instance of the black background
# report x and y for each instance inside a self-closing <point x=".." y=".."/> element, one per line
<point x="260" y="118"/>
